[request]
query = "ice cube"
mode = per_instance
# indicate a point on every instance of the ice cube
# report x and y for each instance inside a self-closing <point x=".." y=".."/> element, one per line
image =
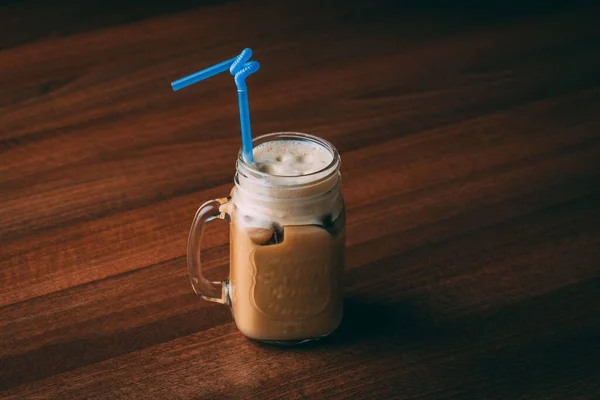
<point x="260" y="236"/>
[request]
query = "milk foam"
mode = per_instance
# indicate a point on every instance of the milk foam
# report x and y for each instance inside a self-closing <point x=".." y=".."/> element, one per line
<point x="291" y="157"/>
<point x="260" y="204"/>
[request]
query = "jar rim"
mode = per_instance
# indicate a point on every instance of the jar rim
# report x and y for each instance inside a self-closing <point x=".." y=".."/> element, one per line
<point x="291" y="181"/>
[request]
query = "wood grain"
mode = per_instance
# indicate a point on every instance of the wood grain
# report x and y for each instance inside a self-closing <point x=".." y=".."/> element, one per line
<point x="470" y="140"/>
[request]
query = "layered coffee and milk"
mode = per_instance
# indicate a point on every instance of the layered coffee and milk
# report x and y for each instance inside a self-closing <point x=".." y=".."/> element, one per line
<point x="287" y="241"/>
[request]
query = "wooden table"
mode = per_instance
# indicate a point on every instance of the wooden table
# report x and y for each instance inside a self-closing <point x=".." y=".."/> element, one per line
<point x="470" y="142"/>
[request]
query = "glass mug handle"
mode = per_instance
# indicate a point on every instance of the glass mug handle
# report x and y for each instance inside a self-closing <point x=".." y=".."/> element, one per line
<point x="209" y="290"/>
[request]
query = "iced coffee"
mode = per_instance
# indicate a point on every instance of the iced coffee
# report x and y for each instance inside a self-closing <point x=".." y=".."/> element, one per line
<point x="287" y="237"/>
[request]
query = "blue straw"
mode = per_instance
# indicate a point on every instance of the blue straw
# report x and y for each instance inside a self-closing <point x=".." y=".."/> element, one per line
<point x="241" y="68"/>
<point x="245" y="125"/>
<point x="201" y="75"/>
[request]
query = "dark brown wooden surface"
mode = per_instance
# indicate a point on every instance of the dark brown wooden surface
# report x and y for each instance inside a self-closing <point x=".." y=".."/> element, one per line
<point x="470" y="141"/>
